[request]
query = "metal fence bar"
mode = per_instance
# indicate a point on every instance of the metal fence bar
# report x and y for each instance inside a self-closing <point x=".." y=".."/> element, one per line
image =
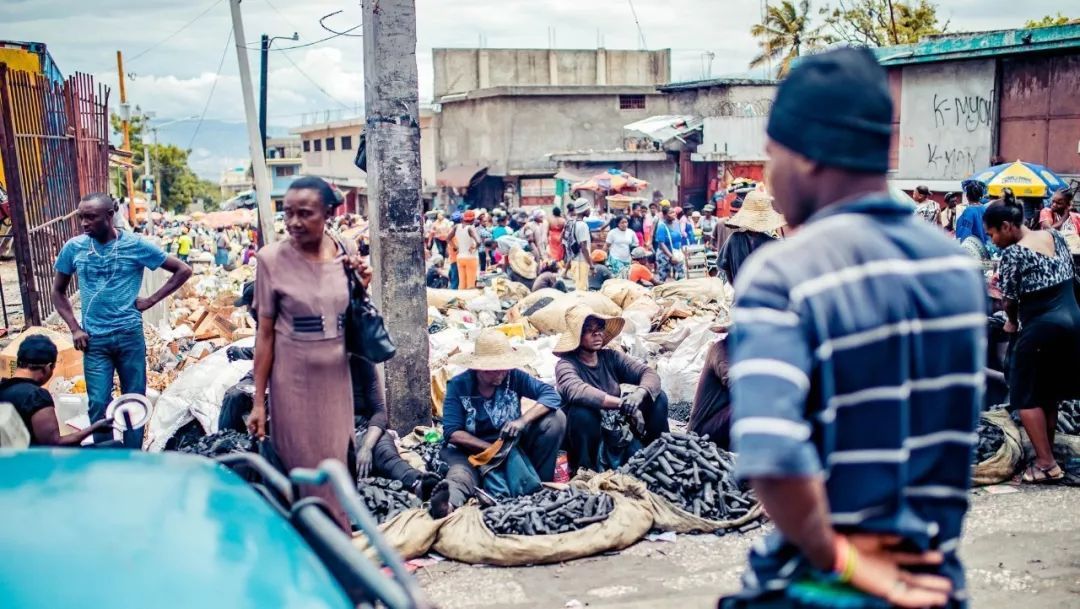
<point x="54" y="137"/>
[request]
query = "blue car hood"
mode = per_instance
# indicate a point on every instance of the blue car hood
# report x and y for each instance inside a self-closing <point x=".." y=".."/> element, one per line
<point x="124" y="529"/>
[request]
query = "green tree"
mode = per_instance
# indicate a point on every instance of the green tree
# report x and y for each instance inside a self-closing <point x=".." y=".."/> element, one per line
<point x="179" y="185"/>
<point x="879" y="23"/>
<point x="784" y="35"/>
<point x="1048" y="21"/>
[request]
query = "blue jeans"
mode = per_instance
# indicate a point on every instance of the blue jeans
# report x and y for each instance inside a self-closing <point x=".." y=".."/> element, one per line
<point x="122" y="352"/>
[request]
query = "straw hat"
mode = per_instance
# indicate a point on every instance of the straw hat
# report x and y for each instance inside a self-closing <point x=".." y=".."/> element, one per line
<point x="757" y="214"/>
<point x="579" y="205"/>
<point x="522" y="263"/>
<point x="575" y="323"/>
<point x="493" y="351"/>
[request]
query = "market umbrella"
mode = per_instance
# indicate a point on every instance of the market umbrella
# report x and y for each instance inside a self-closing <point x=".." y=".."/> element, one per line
<point x="1025" y="179"/>
<point x="612" y="181"/>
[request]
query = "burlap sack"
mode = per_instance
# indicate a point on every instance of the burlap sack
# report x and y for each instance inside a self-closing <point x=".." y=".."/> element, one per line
<point x="411" y="533"/>
<point x="1002" y="465"/>
<point x="665" y="515"/>
<point x="623" y="292"/>
<point x="465" y="537"/>
<point x="445" y="299"/>
<point x="551" y="319"/>
<point x="697" y="291"/>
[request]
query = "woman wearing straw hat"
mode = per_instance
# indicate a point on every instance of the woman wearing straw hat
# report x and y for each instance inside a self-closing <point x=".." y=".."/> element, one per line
<point x="589" y="376"/>
<point x="521" y="267"/>
<point x="756" y="224"/>
<point x="483" y="404"/>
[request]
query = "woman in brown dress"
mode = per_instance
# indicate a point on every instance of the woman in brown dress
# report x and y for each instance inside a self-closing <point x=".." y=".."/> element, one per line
<point x="301" y="298"/>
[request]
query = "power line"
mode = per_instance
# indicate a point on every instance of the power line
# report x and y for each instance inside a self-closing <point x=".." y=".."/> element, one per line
<point x="641" y="33"/>
<point x="213" y="86"/>
<point x="312" y="81"/>
<point x="173" y="35"/>
<point x="314" y="42"/>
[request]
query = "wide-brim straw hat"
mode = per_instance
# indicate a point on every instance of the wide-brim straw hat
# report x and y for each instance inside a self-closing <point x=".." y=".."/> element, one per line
<point x="575" y="321"/>
<point x="757" y="214"/>
<point x="522" y="263"/>
<point x="493" y="351"/>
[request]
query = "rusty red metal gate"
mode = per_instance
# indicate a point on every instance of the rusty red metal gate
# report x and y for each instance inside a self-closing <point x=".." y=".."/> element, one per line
<point x="54" y="141"/>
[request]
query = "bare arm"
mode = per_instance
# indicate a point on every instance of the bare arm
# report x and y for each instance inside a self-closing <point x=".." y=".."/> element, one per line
<point x="468" y="443"/>
<point x="264" y="363"/>
<point x="180" y="274"/>
<point x="47" y="430"/>
<point x="60" y="300"/>
<point x="800" y="509"/>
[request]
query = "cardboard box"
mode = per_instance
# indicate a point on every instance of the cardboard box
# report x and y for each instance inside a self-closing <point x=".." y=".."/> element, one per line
<point x="69" y="361"/>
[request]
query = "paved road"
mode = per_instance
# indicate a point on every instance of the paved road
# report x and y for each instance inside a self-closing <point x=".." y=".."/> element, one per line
<point x="1021" y="550"/>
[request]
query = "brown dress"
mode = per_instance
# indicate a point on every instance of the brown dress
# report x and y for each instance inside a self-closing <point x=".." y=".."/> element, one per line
<point x="311" y="410"/>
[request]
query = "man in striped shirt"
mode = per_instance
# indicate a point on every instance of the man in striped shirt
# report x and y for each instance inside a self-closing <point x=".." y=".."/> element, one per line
<point x="856" y="361"/>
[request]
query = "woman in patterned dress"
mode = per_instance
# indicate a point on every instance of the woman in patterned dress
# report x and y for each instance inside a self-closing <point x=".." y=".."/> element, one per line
<point x="1036" y="278"/>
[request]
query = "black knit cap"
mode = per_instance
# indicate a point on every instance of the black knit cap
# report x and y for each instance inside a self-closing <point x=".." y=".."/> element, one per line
<point x="835" y="108"/>
<point x="36" y="350"/>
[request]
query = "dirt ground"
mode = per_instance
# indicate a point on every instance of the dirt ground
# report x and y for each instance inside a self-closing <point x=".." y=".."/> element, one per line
<point x="1021" y="550"/>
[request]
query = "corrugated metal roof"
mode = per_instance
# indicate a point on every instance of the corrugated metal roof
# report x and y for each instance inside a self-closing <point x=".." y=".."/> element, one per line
<point x="666" y="126"/>
<point x="717" y="82"/>
<point x="951" y="47"/>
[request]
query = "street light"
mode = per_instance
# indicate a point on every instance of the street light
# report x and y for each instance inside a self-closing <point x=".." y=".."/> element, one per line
<point x="264" y="46"/>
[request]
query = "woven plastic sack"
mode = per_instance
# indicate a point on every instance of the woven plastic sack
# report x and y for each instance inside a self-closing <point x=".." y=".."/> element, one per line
<point x="698" y="291"/>
<point x="446" y="299"/>
<point x="411" y="533"/>
<point x="466" y="538"/>
<point x="623" y="292"/>
<point x="665" y="515"/>
<point x="1002" y="465"/>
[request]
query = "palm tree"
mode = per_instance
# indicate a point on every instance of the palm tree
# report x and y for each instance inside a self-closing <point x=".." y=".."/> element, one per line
<point x="785" y="34"/>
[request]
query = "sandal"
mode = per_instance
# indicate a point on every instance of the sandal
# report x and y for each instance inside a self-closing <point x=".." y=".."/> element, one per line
<point x="1048" y="475"/>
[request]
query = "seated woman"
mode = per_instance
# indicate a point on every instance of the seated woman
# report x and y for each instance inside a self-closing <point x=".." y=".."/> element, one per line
<point x="376" y="453"/>
<point x="588" y="378"/>
<point x="1036" y="278"/>
<point x="549" y="277"/>
<point x="25" y="390"/>
<point x="711" y="413"/>
<point x="482" y="405"/>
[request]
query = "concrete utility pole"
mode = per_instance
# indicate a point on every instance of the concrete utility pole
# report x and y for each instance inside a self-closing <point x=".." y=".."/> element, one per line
<point x="258" y="153"/>
<point x="125" y="115"/>
<point x="395" y="210"/>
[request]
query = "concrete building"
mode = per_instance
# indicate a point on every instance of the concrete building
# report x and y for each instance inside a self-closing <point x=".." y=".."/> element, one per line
<point x="967" y="101"/>
<point x="503" y="111"/>
<point x="328" y="150"/>
<point x="284" y="163"/>
<point x="235" y="181"/>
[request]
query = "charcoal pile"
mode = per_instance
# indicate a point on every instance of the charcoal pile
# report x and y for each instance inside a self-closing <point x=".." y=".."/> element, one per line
<point x="431" y="453"/>
<point x="221" y="443"/>
<point x="991" y="437"/>
<point x="186" y="437"/>
<point x="548" y="512"/>
<point x="1069" y="417"/>
<point x="386" y="498"/>
<point x="680" y="411"/>
<point x="693" y="474"/>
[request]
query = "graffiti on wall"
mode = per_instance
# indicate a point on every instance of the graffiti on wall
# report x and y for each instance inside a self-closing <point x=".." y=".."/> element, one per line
<point x="946" y="120"/>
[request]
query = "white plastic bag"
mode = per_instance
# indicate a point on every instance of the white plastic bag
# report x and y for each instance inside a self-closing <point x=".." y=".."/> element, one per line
<point x="197" y="394"/>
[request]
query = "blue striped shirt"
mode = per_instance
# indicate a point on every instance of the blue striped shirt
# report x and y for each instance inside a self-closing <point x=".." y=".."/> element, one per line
<point x="857" y="354"/>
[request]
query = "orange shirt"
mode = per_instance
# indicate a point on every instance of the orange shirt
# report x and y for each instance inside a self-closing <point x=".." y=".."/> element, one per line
<point x="640" y="272"/>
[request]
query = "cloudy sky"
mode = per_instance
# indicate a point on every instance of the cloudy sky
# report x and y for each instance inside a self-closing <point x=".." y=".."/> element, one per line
<point x="172" y="73"/>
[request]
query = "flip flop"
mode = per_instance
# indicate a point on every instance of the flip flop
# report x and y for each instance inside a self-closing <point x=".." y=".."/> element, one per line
<point x="1047" y="474"/>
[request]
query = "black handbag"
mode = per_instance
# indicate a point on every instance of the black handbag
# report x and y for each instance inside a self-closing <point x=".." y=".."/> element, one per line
<point x="365" y="331"/>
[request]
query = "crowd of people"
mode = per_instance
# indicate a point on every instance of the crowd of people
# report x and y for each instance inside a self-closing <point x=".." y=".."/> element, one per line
<point x="850" y="387"/>
<point x="587" y="243"/>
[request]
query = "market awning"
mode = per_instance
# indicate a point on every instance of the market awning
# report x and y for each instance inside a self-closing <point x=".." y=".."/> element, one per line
<point x="461" y="176"/>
